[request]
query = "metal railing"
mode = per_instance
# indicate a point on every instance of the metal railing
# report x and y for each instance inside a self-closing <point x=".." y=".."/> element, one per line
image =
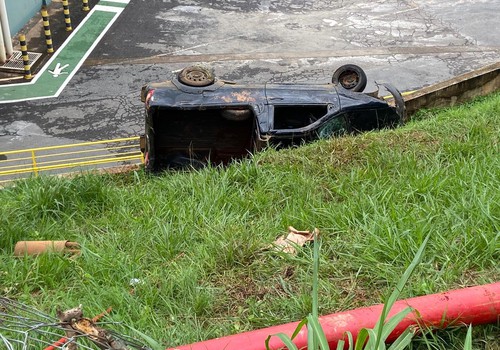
<point x="70" y="158"/>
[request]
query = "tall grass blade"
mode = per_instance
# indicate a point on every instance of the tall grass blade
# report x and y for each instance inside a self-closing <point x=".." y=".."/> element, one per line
<point x="312" y="342"/>
<point x="299" y="327"/>
<point x="315" y="275"/>
<point x="468" y="339"/>
<point x="151" y="342"/>
<point x="318" y="333"/>
<point x="403" y="340"/>
<point x="312" y="336"/>
<point x="361" y="339"/>
<point x="349" y="339"/>
<point x="379" y="327"/>
<point x="284" y="338"/>
<point x="287" y="338"/>
<point x="394" y="321"/>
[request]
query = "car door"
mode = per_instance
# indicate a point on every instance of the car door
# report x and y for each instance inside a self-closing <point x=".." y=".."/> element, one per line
<point x="298" y="110"/>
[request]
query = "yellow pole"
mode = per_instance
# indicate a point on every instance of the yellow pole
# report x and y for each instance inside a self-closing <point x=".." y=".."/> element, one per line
<point x="85" y="6"/>
<point x="33" y="159"/>
<point x="26" y="59"/>
<point x="46" y="28"/>
<point x="67" y="19"/>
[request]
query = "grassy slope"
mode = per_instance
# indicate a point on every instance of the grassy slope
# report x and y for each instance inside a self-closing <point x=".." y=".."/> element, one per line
<point x="196" y="239"/>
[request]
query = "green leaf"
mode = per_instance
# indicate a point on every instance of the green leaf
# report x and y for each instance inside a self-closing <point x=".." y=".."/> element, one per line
<point x="151" y="342"/>
<point x="315" y="274"/>
<point x="361" y="339"/>
<point x="468" y="339"/>
<point x="394" y="321"/>
<point x="373" y="341"/>
<point x="311" y="337"/>
<point x="267" y="342"/>
<point x="403" y="340"/>
<point x="299" y="327"/>
<point x="318" y="333"/>
<point x="397" y="291"/>
<point x="349" y="339"/>
<point x="284" y="338"/>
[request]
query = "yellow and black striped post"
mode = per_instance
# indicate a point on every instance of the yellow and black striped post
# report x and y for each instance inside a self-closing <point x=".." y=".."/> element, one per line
<point x="67" y="19"/>
<point x="46" y="28"/>
<point x="85" y="6"/>
<point x="26" y="60"/>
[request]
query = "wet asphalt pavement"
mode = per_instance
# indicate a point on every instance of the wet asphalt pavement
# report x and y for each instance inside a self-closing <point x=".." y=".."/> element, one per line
<point x="410" y="44"/>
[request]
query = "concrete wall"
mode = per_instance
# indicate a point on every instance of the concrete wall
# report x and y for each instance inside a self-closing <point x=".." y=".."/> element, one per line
<point x="462" y="88"/>
<point x="21" y="11"/>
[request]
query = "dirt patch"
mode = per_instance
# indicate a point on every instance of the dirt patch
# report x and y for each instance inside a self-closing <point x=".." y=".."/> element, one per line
<point x="239" y="288"/>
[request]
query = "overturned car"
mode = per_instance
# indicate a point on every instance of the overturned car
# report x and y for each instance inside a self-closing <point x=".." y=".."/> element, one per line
<point x="197" y="118"/>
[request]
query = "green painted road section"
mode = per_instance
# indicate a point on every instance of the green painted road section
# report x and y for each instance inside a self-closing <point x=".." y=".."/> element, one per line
<point x="111" y="3"/>
<point x="64" y="64"/>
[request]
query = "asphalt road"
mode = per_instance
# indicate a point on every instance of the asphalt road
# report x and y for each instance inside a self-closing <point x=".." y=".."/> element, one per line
<point x="410" y="43"/>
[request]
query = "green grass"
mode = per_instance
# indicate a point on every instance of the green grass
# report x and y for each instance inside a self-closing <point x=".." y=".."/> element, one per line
<point x="196" y="240"/>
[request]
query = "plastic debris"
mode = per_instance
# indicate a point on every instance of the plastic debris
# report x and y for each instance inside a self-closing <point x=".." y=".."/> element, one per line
<point x="38" y="247"/>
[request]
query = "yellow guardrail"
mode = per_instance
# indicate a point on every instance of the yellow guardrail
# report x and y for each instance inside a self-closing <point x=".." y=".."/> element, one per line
<point x="69" y="158"/>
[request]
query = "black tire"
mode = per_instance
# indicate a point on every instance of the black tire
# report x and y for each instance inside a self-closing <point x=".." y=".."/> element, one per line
<point x="196" y="76"/>
<point x="350" y="77"/>
<point x="399" y="104"/>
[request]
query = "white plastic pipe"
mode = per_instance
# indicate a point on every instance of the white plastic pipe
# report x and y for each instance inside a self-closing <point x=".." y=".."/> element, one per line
<point x="3" y="56"/>
<point x="4" y="21"/>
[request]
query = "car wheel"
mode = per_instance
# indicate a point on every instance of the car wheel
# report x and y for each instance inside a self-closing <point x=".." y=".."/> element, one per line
<point x="350" y="77"/>
<point x="196" y="76"/>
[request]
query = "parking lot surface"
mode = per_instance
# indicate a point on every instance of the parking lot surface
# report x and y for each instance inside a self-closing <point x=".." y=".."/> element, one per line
<point x="410" y="44"/>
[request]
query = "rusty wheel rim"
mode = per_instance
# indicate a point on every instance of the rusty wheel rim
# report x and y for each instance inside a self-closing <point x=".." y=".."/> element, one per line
<point x="196" y="76"/>
<point x="349" y="79"/>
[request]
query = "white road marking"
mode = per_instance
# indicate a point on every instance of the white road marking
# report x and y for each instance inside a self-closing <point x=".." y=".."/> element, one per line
<point x="117" y="10"/>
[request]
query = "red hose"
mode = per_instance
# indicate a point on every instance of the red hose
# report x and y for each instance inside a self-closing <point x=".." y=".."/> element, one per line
<point x="474" y="305"/>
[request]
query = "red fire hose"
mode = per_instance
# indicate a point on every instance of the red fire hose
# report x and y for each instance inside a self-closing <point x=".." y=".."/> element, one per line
<point x="474" y="305"/>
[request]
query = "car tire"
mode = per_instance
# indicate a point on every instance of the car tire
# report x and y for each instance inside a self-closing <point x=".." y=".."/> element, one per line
<point x="350" y="77"/>
<point x="196" y="76"/>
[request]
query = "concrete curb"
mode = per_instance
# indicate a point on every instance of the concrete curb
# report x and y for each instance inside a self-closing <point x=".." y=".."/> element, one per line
<point x="460" y="89"/>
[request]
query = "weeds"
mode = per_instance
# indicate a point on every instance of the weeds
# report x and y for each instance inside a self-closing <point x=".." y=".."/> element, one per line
<point x="368" y="339"/>
<point x="194" y="239"/>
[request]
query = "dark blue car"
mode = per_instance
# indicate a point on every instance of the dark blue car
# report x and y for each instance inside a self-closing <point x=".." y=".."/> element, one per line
<point x="196" y="118"/>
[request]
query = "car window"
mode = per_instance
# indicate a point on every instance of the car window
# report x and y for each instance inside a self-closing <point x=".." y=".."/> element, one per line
<point x="293" y="117"/>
